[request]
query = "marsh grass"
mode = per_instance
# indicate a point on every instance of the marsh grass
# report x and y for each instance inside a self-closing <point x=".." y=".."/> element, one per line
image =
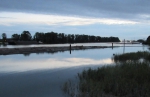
<point x="134" y="56"/>
<point x="125" y="79"/>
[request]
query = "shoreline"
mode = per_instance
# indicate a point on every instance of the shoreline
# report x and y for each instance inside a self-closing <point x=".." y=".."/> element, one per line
<point x="28" y="50"/>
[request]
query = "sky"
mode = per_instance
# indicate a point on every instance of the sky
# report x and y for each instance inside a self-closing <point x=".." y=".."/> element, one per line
<point x="126" y="19"/>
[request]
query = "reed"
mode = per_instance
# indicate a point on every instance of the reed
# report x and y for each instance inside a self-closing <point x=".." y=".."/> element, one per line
<point x="134" y="56"/>
<point x="125" y="79"/>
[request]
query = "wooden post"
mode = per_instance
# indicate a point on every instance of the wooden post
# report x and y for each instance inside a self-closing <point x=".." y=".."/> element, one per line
<point x="112" y="45"/>
<point x="124" y="46"/>
<point x="70" y="48"/>
<point x="124" y="42"/>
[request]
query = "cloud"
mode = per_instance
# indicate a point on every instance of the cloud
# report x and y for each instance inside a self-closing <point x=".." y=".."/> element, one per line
<point x="117" y="9"/>
<point x="97" y="15"/>
<point x="39" y="19"/>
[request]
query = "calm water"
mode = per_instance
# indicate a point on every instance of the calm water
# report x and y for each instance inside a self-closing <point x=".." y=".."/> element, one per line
<point x="75" y="44"/>
<point x="42" y="75"/>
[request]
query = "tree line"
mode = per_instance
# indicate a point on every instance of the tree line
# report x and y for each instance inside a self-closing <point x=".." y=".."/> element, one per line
<point x="147" y="41"/>
<point x="54" y="38"/>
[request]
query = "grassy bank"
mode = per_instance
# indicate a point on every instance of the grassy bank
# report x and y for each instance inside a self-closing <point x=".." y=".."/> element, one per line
<point x="125" y="79"/>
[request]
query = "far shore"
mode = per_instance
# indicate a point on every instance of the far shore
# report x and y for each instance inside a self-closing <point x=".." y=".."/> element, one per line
<point x="28" y="50"/>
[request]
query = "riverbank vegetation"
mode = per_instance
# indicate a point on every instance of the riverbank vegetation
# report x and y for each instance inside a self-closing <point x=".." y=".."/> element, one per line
<point x="134" y="56"/>
<point x="147" y="42"/>
<point x="127" y="78"/>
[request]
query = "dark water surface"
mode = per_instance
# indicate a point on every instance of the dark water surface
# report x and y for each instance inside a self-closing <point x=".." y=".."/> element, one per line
<point x="42" y="75"/>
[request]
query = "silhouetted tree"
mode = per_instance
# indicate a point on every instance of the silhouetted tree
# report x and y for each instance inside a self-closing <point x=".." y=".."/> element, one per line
<point x="25" y="36"/>
<point x="54" y="38"/>
<point x="140" y="40"/>
<point x="148" y="40"/>
<point x="4" y="37"/>
<point x="39" y="36"/>
<point x="15" y="37"/>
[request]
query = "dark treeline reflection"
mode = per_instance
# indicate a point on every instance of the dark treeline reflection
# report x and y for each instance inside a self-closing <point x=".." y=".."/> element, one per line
<point x="55" y="38"/>
<point x="52" y="52"/>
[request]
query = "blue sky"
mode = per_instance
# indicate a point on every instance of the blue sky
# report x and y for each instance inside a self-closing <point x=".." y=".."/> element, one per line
<point x="126" y="19"/>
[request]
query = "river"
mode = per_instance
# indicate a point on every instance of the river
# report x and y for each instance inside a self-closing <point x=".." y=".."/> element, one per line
<point x="43" y="74"/>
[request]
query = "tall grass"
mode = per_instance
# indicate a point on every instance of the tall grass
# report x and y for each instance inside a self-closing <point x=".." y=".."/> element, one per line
<point x="134" y="56"/>
<point x="125" y="79"/>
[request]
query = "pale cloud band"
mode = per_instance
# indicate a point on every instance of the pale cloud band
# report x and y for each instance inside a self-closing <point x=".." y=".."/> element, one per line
<point x="13" y="18"/>
<point x="51" y="63"/>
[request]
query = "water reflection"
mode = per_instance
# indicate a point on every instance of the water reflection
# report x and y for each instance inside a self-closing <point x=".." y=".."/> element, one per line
<point x="42" y="74"/>
<point x="75" y="44"/>
<point x="27" y="54"/>
<point x="50" y="63"/>
<point x="18" y="62"/>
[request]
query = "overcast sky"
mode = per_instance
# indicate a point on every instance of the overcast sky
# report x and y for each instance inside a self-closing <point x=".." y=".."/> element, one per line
<point x="126" y="19"/>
